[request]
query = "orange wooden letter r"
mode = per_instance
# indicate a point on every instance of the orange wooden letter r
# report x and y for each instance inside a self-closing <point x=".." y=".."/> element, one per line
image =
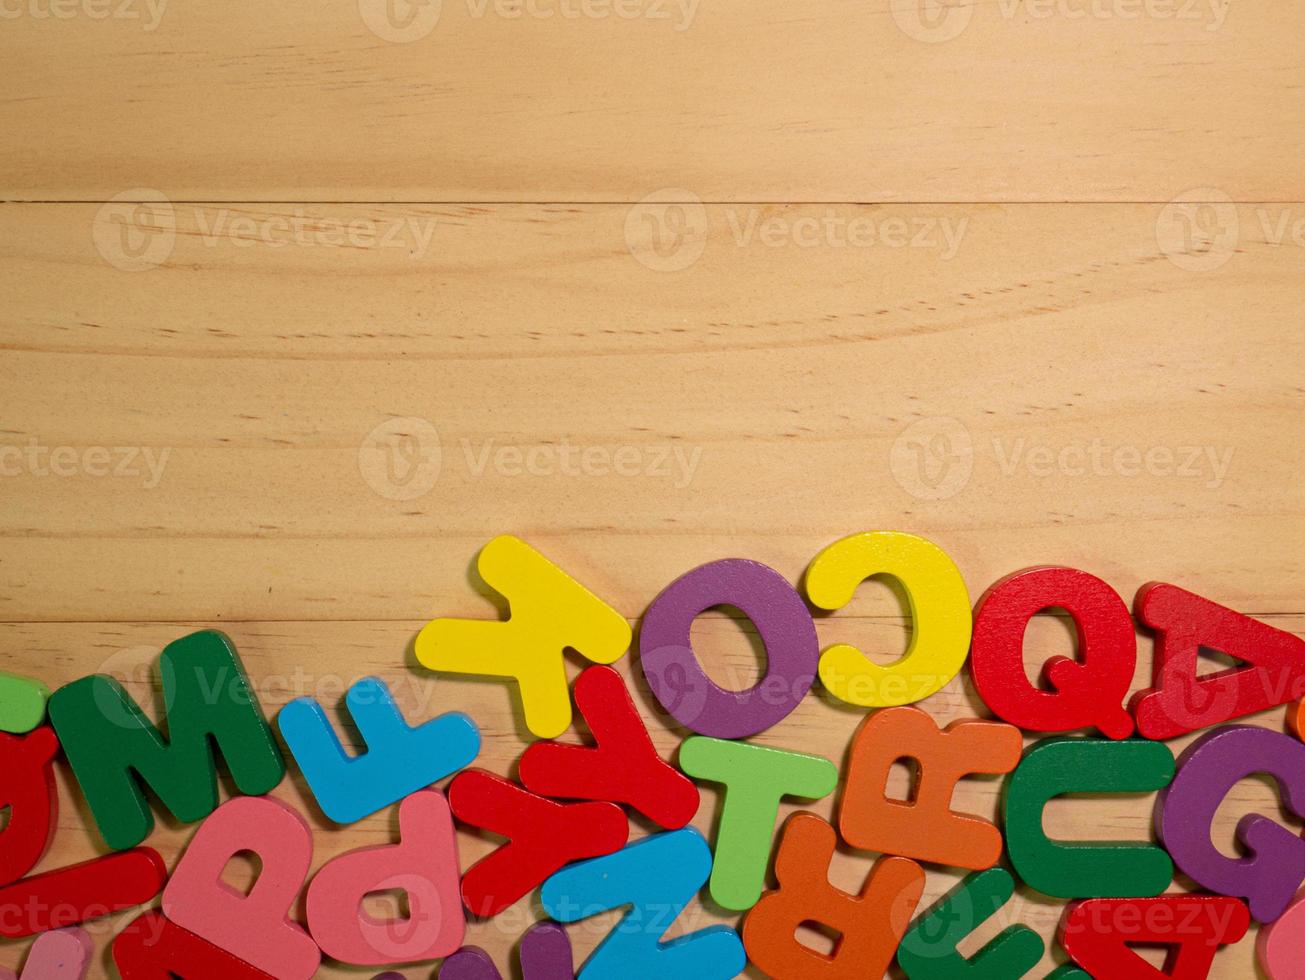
<point x="870" y="925"/>
<point x="924" y="827"/>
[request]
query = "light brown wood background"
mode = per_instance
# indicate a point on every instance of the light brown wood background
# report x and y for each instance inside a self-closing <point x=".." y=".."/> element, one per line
<point x="353" y="296"/>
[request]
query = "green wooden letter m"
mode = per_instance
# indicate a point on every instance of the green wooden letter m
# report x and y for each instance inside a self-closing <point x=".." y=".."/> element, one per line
<point x="115" y="751"/>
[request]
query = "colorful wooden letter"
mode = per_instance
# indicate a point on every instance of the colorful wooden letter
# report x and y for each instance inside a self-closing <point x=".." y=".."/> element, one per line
<point x="1097" y="934"/>
<point x="940" y="616"/>
<point x="756" y="778"/>
<point x="551" y="612"/>
<point x="924" y="826"/>
<point x="677" y="679"/>
<point x="1055" y="766"/>
<point x="870" y="924"/>
<point x="544" y="836"/>
<point x="623" y="767"/>
<point x="656" y="876"/>
<point x="255" y="927"/>
<point x="468" y="963"/>
<point x="423" y="864"/>
<point x="545" y="955"/>
<point x="1296" y="719"/>
<point x="1272" y="670"/>
<point x="64" y="954"/>
<point x="1068" y="972"/>
<point x="399" y="759"/>
<point x="27" y="789"/>
<point x="81" y="892"/>
<point x="928" y="951"/>
<point x="63" y="896"/>
<point x="1207" y="770"/>
<point x="1088" y="691"/>
<point x="154" y="948"/>
<point x="22" y="703"/>
<point x="114" y="748"/>
<point x="1280" y="946"/>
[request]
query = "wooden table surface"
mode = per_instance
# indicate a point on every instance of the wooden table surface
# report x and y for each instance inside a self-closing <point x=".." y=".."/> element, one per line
<point x="303" y="305"/>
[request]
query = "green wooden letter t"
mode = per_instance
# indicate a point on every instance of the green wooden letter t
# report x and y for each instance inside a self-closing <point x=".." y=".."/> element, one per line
<point x="115" y="751"/>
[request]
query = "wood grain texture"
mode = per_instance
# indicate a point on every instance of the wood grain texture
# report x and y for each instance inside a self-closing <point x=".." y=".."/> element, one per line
<point x="298" y="422"/>
<point x="1035" y="100"/>
<point x="1114" y="411"/>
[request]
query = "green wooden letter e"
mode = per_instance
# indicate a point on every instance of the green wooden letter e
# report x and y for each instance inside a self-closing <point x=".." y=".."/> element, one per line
<point x="115" y="751"/>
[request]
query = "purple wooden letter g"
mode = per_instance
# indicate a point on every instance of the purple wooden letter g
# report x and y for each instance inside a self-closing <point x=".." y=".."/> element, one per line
<point x="1210" y="767"/>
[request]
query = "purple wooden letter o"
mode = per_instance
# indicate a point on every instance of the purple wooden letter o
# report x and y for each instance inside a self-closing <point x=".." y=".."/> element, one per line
<point x="783" y="622"/>
<point x="1209" y="768"/>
